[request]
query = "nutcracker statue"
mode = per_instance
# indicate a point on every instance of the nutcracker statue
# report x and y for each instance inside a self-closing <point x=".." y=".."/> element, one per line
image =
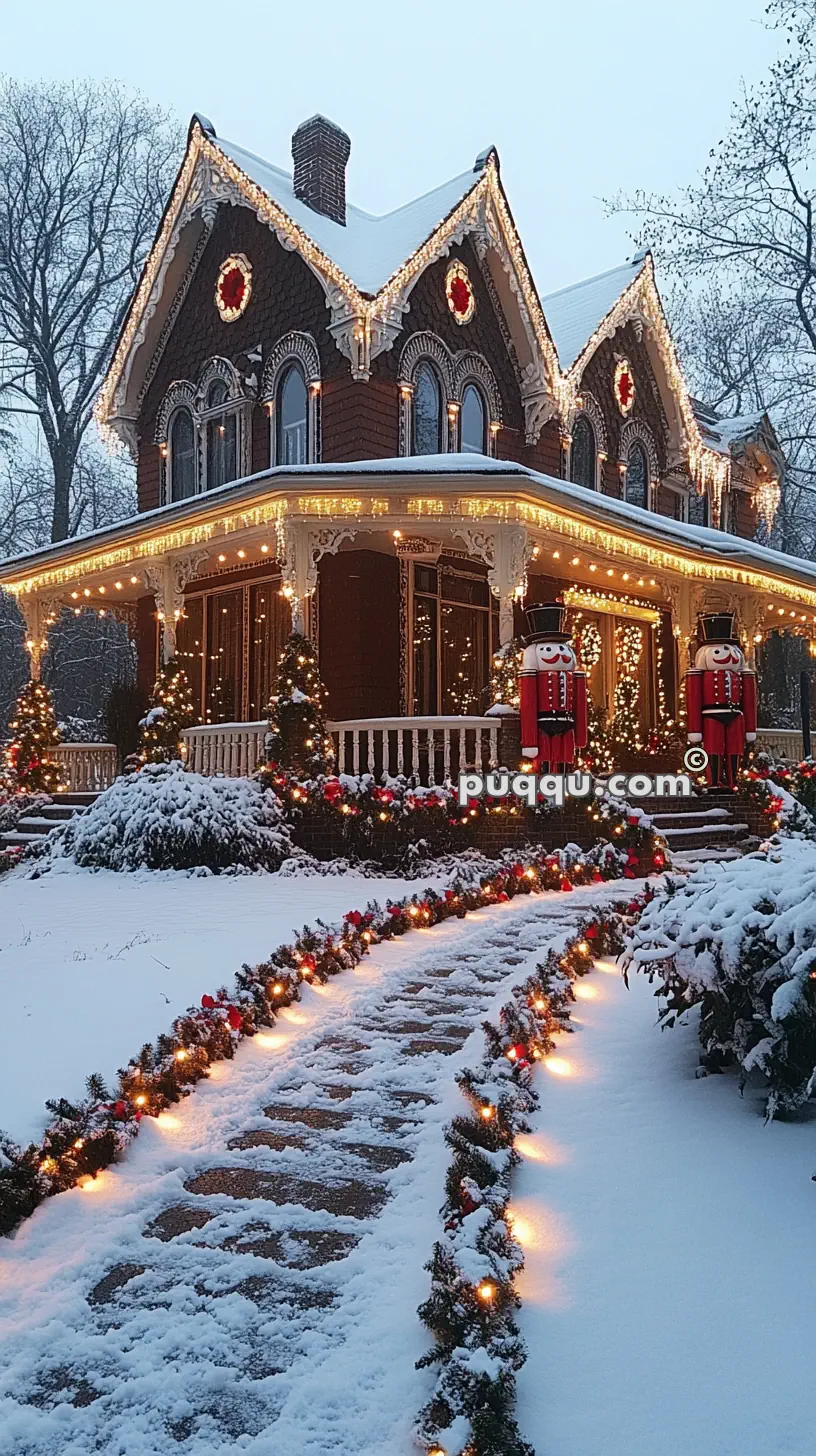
<point x="553" y="693"/>
<point x="721" y="699"/>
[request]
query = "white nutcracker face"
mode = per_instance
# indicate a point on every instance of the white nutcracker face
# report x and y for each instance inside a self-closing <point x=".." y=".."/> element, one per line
<point x="716" y="656"/>
<point x="555" y="657"/>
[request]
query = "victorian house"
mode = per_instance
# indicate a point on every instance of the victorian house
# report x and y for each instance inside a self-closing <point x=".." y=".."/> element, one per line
<point x="378" y="429"/>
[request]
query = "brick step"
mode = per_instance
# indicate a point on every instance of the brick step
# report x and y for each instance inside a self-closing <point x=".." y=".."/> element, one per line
<point x="705" y="818"/>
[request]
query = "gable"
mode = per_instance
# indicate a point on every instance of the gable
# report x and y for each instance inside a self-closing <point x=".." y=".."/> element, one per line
<point x="487" y="333"/>
<point x="285" y="295"/>
<point x="599" y="375"/>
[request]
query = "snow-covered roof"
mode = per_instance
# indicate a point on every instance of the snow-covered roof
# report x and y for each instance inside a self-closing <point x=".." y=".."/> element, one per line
<point x="562" y="495"/>
<point x="719" y="434"/>
<point x="368" y="249"/>
<point x="573" y="314"/>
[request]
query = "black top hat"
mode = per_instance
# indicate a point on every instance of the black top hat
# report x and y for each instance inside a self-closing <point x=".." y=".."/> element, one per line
<point x="547" y="622"/>
<point x="718" y="627"/>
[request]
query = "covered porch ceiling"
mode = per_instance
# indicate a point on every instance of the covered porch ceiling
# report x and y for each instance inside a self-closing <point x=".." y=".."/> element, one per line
<point x="515" y="520"/>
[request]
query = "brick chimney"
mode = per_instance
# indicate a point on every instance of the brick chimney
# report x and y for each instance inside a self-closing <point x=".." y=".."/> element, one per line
<point x="320" y="151"/>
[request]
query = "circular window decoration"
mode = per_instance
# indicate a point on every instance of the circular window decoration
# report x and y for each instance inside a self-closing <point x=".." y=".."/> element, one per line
<point x="234" y="287"/>
<point x="459" y="293"/>
<point x="624" y="386"/>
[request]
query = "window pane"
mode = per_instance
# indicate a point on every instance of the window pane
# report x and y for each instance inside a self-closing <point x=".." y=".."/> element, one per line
<point x="270" y="622"/>
<point x="425" y="659"/>
<point x="457" y="587"/>
<point x="427" y="412"/>
<point x="182" y="456"/>
<point x="473" y="422"/>
<point x="292" y="418"/>
<point x="221" y="450"/>
<point x="465" y="658"/>
<point x="637" y="476"/>
<point x="190" y="647"/>
<point x="224" y="656"/>
<point x="217" y="394"/>
<point x="582" y="459"/>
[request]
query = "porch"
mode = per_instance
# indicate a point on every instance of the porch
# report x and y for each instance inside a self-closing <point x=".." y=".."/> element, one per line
<point x="429" y="749"/>
<point x="407" y="587"/>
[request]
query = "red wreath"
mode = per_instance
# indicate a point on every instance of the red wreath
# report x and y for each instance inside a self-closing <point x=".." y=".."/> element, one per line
<point x="232" y="288"/>
<point x="459" y="294"/>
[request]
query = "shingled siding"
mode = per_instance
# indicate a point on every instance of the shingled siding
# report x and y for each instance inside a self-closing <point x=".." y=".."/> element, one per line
<point x="360" y="421"/>
<point x="285" y="295"/>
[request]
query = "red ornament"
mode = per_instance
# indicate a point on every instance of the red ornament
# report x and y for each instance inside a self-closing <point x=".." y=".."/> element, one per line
<point x="232" y="288"/>
<point x="459" y="292"/>
<point x="354" y="917"/>
<point x="591" y="932"/>
<point x="207" y="1002"/>
<point x="395" y="910"/>
<point x="633" y="908"/>
<point x="234" y="1018"/>
<point x="120" y="1109"/>
<point x="459" y="295"/>
<point x="565" y="883"/>
<point x="624" y="386"/>
<point x="597" y="877"/>
<point x="517" y="1053"/>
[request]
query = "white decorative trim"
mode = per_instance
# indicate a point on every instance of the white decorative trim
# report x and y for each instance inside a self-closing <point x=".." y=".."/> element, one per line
<point x="166" y="579"/>
<point x="505" y="550"/>
<point x="454" y="372"/>
<point x="299" y="549"/>
<point x="180" y="394"/>
<point x="218" y="368"/>
<point x="294" y="348"/>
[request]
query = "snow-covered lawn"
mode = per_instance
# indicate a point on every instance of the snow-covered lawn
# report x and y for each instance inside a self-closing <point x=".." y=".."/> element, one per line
<point x="670" y="1284"/>
<point x="92" y="965"/>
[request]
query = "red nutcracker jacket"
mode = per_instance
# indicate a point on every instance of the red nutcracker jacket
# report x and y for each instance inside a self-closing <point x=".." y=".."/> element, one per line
<point x="720" y="693"/>
<point x="553" y="702"/>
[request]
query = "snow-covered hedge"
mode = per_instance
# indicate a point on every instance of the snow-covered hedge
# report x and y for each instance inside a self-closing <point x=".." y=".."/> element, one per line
<point x="163" y="818"/>
<point x="739" y="941"/>
<point x="14" y="806"/>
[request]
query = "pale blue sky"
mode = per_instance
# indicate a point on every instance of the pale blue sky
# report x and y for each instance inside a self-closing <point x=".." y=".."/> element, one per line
<point x="580" y="98"/>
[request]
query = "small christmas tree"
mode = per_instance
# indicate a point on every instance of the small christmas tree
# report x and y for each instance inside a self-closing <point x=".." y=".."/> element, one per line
<point x="504" y="679"/>
<point x="597" y="758"/>
<point x="171" y="711"/>
<point x="297" y="739"/>
<point x="34" y="734"/>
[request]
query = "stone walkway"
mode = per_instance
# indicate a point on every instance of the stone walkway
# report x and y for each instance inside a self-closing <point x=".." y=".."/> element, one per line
<point x="248" y="1278"/>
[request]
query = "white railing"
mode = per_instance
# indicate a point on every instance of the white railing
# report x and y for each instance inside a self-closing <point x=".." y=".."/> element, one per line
<point x="433" y="749"/>
<point x="781" y="743"/>
<point x="233" y="749"/>
<point x="88" y="767"/>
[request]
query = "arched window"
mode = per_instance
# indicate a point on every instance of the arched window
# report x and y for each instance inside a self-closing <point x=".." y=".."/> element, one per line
<point x="222" y="437"/>
<point x="292" y="418"/>
<point x="637" y="476"/>
<point x="427" y="412"/>
<point x="473" y="422"/>
<point x="182" y="456"/>
<point x="583" y="457"/>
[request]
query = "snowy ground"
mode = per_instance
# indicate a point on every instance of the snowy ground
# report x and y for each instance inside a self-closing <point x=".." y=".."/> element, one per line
<point x="670" y="1285"/>
<point x="174" y="1307"/>
<point x="92" y="965"/>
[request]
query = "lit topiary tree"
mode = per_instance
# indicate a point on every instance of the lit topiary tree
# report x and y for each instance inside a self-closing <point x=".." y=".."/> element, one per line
<point x="297" y="739"/>
<point x="504" y="678"/>
<point x="171" y="711"/>
<point x="34" y="734"/>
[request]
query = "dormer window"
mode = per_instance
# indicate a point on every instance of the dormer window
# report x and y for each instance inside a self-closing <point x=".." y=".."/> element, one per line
<point x="428" y="436"/>
<point x="292" y="418"/>
<point x="637" y="475"/>
<point x="473" y="429"/>
<point x="181" y="456"/>
<point x="221" y="435"/>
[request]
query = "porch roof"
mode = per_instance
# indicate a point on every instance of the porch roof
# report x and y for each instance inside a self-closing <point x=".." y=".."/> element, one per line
<point x="426" y="492"/>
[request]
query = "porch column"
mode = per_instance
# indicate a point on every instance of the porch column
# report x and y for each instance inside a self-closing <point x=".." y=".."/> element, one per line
<point x="38" y="613"/>
<point x="166" y="579"/>
<point x="300" y="548"/>
<point x="506" y="551"/>
<point x="687" y="599"/>
<point x="751" y="619"/>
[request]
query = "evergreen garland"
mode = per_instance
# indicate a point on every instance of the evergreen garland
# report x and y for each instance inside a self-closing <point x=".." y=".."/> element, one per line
<point x="171" y="711"/>
<point x="297" y="739"/>
<point x="34" y="734"/>
<point x="471" y="1308"/>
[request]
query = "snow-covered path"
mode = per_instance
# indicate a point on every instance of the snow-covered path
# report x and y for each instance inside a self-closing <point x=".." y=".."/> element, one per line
<point x="248" y="1277"/>
<point x="670" y="1285"/>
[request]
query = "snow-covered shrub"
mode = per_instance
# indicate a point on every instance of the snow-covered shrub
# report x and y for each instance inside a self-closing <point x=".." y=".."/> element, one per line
<point x="73" y="729"/>
<point x="163" y="818"/>
<point x="739" y="941"/>
<point x="14" y="806"/>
